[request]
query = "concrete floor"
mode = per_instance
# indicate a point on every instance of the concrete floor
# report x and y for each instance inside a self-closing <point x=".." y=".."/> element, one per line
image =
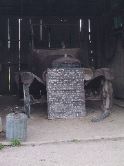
<point x="41" y="130"/>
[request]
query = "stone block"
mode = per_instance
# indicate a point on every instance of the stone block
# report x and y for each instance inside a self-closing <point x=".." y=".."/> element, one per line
<point x="65" y="93"/>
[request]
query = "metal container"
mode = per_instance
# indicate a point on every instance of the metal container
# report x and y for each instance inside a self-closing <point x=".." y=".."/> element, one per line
<point x="16" y="126"/>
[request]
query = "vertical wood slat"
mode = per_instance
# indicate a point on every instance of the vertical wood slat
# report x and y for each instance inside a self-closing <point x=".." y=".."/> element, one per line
<point x="92" y="44"/>
<point x="103" y="26"/>
<point x="14" y="53"/>
<point x="84" y="44"/>
<point x="25" y="44"/>
<point x="100" y="41"/>
<point x="4" y="88"/>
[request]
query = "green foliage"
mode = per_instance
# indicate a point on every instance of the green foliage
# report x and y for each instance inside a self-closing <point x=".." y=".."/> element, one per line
<point x="1" y="146"/>
<point x="75" y="140"/>
<point x="15" y="142"/>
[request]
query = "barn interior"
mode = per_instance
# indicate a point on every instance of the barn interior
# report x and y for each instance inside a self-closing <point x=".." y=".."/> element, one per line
<point x="34" y="33"/>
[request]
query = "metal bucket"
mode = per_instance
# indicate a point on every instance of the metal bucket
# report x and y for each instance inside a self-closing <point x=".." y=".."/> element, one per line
<point x="16" y="126"/>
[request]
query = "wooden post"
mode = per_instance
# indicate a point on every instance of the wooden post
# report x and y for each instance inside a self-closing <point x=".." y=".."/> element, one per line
<point x="107" y="93"/>
<point x="27" y="107"/>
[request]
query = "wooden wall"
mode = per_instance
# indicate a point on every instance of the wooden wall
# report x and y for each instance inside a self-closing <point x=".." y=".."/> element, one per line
<point x="110" y="50"/>
<point x="9" y="56"/>
<point x="3" y="56"/>
<point x="55" y="30"/>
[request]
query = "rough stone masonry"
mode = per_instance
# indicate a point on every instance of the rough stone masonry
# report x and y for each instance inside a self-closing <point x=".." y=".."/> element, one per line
<point x="65" y="93"/>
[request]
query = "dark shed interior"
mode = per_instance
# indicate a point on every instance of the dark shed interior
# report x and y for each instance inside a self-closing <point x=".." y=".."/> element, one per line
<point x="91" y="30"/>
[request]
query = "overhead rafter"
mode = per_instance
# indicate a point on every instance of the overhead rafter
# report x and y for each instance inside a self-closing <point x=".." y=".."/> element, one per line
<point x="52" y="7"/>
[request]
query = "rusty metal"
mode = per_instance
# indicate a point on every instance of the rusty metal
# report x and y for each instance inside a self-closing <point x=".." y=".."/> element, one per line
<point x="101" y="91"/>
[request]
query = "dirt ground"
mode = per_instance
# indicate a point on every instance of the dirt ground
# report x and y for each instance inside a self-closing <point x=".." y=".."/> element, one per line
<point x="72" y="142"/>
<point x="41" y="130"/>
<point x="96" y="153"/>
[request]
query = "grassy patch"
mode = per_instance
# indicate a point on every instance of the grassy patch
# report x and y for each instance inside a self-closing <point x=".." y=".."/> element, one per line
<point x="1" y="146"/>
<point x="75" y="140"/>
<point x="15" y="143"/>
